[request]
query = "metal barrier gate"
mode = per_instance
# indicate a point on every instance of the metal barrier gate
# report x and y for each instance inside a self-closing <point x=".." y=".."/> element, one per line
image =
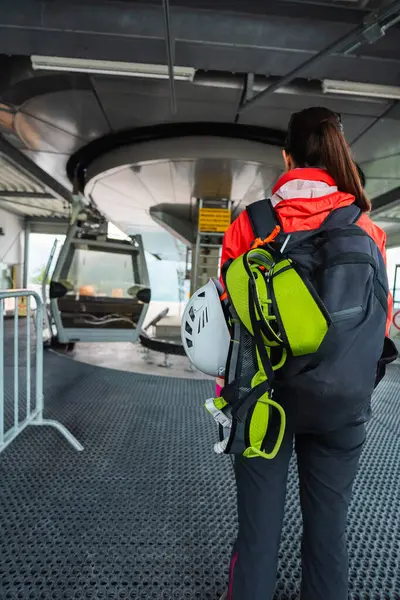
<point x="33" y="415"/>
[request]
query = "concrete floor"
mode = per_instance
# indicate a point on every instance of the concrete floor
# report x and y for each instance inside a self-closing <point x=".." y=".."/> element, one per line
<point x="125" y="356"/>
<point x="133" y="358"/>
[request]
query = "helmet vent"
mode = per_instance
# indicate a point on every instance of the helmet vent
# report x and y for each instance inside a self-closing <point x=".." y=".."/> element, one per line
<point x="191" y="313"/>
<point x="189" y="343"/>
<point x="202" y="295"/>
<point x="203" y="320"/>
<point x="188" y="328"/>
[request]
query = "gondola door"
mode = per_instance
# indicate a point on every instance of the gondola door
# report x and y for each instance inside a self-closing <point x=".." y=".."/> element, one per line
<point x="99" y="290"/>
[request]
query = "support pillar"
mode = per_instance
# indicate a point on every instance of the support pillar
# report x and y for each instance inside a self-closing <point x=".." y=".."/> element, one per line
<point x="27" y="233"/>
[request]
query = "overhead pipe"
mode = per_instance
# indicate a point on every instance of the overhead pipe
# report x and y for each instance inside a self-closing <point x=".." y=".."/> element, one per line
<point x="374" y="32"/>
<point x="388" y="12"/>
<point x="299" y="87"/>
<point x="260" y="83"/>
<point x="170" y="55"/>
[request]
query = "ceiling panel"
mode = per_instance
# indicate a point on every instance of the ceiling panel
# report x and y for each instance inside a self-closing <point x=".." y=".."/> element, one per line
<point x="185" y="90"/>
<point x="152" y="183"/>
<point x="380" y="141"/>
<point x="159" y="183"/>
<point x="232" y="37"/>
<point x="344" y="105"/>
<point x="383" y="168"/>
<point x="354" y="126"/>
<point x="137" y="110"/>
<point x="376" y="187"/>
<point x="279" y="117"/>
<point x="273" y="40"/>
<point x="21" y="210"/>
<point x="36" y="207"/>
<point x="15" y="180"/>
<point x="125" y="183"/>
<point x="76" y="112"/>
<point x="129" y="109"/>
<point x="124" y="212"/>
<point x="41" y="136"/>
<point x="182" y="173"/>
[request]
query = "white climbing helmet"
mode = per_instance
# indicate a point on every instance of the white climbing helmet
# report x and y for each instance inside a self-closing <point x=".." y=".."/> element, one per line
<point x="205" y="334"/>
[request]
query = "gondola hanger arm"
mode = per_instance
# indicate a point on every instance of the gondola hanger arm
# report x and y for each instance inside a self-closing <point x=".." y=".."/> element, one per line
<point x="78" y="208"/>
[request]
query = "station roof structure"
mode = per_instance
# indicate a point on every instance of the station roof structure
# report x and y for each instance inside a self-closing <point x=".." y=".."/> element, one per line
<point x="88" y="101"/>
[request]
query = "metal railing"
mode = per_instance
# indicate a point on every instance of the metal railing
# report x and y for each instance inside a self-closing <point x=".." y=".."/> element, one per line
<point x="33" y="415"/>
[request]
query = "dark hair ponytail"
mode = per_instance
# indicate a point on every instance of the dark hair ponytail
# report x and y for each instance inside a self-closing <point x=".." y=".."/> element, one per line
<point x="336" y="158"/>
<point x="316" y="139"/>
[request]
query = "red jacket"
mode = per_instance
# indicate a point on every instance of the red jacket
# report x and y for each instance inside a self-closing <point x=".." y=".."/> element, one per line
<point x="301" y="214"/>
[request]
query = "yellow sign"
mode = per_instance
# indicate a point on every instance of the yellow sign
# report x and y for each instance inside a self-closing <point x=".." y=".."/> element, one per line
<point x="215" y="220"/>
<point x="22" y="307"/>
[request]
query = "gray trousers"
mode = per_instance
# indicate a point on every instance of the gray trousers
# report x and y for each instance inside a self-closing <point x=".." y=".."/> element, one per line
<point x="327" y="466"/>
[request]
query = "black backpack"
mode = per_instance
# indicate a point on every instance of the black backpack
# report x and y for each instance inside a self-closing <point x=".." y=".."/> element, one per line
<point x="342" y="263"/>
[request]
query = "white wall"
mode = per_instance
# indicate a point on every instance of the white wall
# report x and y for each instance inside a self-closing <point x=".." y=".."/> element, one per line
<point x="11" y="244"/>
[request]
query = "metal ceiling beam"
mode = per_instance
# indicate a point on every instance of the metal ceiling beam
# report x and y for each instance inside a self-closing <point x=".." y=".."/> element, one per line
<point x="259" y="8"/>
<point x="385" y="201"/>
<point x="61" y="220"/>
<point x="47" y="225"/>
<point x="34" y="195"/>
<point x="170" y="55"/>
<point x="14" y="205"/>
<point x="24" y="164"/>
<point x="291" y="26"/>
<point x="388" y="219"/>
<point x="130" y="19"/>
<point x="359" y="34"/>
<point x="26" y="208"/>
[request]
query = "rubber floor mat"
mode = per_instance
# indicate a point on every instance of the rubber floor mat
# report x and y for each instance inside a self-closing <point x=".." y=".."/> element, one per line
<point x="148" y="511"/>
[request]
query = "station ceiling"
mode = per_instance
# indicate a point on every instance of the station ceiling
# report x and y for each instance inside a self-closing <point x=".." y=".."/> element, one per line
<point x="235" y="48"/>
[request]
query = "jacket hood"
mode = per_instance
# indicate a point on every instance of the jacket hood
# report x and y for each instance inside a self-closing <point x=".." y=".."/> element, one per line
<point x="303" y="198"/>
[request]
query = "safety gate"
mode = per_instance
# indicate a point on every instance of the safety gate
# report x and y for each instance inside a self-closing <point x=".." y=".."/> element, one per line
<point x="17" y="410"/>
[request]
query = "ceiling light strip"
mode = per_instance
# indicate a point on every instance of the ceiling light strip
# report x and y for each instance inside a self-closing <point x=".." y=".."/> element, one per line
<point x="109" y="67"/>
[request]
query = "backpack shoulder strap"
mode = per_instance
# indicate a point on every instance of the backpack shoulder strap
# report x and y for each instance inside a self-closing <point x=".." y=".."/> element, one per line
<point x="341" y="217"/>
<point x="336" y="224"/>
<point x="262" y="218"/>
